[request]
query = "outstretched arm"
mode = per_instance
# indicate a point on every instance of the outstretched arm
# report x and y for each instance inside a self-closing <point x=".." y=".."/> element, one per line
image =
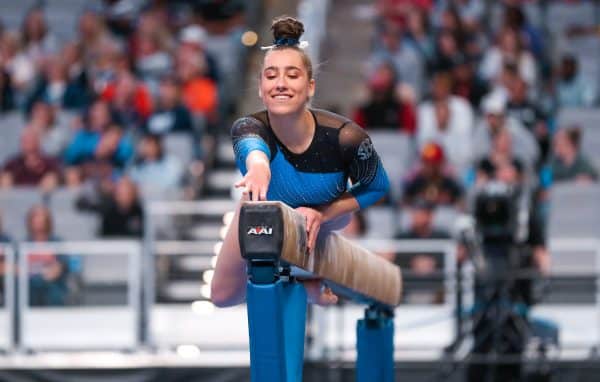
<point x="252" y="154"/>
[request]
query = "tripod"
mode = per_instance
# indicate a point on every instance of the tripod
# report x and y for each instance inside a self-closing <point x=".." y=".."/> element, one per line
<point x="500" y="326"/>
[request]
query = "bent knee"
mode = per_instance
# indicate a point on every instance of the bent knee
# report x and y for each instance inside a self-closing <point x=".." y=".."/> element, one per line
<point x="224" y="295"/>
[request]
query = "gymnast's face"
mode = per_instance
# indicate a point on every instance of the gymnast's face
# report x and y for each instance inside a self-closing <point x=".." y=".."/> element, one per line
<point x="285" y="87"/>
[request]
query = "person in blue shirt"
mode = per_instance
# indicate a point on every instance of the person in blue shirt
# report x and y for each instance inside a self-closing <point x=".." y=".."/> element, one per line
<point x="301" y="156"/>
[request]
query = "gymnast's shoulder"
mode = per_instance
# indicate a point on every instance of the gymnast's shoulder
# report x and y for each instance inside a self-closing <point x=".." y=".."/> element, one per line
<point x="330" y="119"/>
<point x="251" y="123"/>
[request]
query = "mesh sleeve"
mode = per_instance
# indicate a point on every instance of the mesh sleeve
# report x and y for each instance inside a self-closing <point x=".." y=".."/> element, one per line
<point x="249" y="134"/>
<point x="369" y="179"/>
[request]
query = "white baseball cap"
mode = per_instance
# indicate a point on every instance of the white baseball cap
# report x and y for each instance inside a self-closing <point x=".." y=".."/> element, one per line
<point x="193" y="34"/>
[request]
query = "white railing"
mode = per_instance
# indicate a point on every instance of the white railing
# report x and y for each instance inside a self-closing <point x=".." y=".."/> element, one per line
<point x="7" y="310"/>
<point x="419" y="328"/>
<point x="76" y="327"/>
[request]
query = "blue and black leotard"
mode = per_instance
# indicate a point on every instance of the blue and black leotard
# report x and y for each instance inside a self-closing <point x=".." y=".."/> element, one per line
<point x="340" y="151"/>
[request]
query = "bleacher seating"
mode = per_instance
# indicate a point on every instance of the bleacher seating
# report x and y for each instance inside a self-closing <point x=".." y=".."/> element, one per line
<point x="397" y="153"/>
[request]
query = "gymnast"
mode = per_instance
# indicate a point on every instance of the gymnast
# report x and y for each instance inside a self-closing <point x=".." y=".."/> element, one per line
<point x="298" y="155"/>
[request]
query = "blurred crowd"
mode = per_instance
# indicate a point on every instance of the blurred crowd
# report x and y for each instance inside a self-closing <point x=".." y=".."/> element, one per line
<point x="125" y="106"/>
<point x="477" y="87"/>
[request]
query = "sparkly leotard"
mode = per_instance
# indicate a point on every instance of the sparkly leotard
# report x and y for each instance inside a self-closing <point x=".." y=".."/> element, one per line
<point x="340" y="151"/>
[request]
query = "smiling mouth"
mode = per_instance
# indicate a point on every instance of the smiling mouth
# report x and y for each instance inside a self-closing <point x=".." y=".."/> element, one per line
<point x="281" y="96"/>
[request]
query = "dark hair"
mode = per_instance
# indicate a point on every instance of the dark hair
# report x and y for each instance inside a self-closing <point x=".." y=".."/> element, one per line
<point x="47" y="215"/>
<point x="286" y="35"/>
<point x="25" y="27"/>
<point x="157" y="139"/>
<point x="573" y="134"/>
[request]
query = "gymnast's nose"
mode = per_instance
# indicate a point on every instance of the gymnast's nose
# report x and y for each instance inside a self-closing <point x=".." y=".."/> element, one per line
<point x="281" y="83"/>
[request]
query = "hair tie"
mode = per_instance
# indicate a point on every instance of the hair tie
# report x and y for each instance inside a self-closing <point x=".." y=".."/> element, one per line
<point x="286" y="41"/>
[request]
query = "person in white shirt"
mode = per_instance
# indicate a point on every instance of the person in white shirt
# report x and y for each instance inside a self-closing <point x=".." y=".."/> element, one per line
<point x="448" y="121"/>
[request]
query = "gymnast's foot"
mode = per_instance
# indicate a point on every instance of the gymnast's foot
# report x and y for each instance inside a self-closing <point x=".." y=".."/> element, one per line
<point x="319" y="294"/>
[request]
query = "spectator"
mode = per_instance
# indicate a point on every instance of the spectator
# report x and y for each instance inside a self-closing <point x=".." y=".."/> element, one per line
<point x="193" y="38"/>
<point x="569" y="163"/>
<point x="407" y="63"/>
<point x="93" y="34"/>
<point x="130" y="100"/>
<point x="509" y="49"/>
<point x="432" y="181"/>
<point x="447" y="52"/>
<point x="7" y="101"/>
<point x="56" y="88"/>
<point x="572" y="88"/>
<point x="30" y="167"/>
<point x="48" y="271"/>
<point x="492" y="166"/>
<point x="495" y="119"/>
<point x="54" y="133"/>
<point x="395" y="12"/>
<point x="77" y="72"/>
<point x="447" y="120"/>
<point x="199" y="92"/>
<point x="170" y="115"/>
<point x="4" y="238"/>
<point x="19" y="67"/>
<point x="384" y="109"/>
<point x="357" y="227"/>
<point x="104" y="63"/>
<point x="515" y="17"/>
<point x="466" y="84"/>
<point x="149" y="50"/>
<point x="120" y="16"/>
<point x="422" y="284"/>
<point x="120" y="210"/>
<point x="38" y="42"/>
<point x="521" y="108"/>
<point x="418" y="35"/>
<point x="469" y="12"/>
<point x="98" y="148"/>
<point x="154" y="168"/>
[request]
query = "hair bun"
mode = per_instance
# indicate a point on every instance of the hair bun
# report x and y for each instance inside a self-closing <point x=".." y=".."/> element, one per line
<point x="287" y="28"/>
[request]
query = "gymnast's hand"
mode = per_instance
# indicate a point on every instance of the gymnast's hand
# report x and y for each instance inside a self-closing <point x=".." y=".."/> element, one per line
<point x="314" y="219"/>
<point x="319" y="294"/>
<point x="256" y="181"/>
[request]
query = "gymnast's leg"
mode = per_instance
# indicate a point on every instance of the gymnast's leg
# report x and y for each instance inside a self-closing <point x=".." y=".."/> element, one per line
<point x="228" y="286"/>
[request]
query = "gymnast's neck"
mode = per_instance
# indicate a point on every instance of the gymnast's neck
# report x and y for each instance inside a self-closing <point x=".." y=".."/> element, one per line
<point x="295" y="130"/>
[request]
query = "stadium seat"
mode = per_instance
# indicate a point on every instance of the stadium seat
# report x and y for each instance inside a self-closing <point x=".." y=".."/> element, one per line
<point x="574" y="211"/>
<point x="381" y="222"/>
<point x="14" y="204"/>
<point x="589" y="121"/>
<point x="11" y="125"/>
<point x="180" y="145"/>
<point x="397" y="153"/>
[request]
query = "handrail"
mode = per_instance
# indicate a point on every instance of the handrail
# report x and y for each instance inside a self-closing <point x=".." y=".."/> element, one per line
<point x="8" y="252"/>
<point x="130" y="248"/>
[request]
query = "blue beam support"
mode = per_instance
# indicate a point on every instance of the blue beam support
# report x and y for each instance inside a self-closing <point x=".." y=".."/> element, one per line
<point x="375" y="346"/>
<point x="276" y="322"/>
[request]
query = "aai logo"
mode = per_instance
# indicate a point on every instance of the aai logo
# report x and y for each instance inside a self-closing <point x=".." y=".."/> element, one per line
<point x="260" y="230"/>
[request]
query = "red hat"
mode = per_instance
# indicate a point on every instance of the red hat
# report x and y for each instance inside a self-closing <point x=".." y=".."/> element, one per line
<point x="432" y="153"/>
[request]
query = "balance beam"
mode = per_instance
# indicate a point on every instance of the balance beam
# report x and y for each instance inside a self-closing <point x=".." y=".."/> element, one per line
<point x="273" y="239"/>
<point x="355" y="271"/>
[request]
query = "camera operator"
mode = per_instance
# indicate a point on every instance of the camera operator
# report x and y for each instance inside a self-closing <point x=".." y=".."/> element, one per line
<point x="513" y="245"/>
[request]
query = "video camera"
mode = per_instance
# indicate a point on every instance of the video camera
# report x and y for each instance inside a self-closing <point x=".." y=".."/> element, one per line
<point x="501" y="213"/>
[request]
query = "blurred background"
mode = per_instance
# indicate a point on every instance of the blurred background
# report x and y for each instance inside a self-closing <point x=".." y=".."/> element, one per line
<point x="116" y="173"/>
